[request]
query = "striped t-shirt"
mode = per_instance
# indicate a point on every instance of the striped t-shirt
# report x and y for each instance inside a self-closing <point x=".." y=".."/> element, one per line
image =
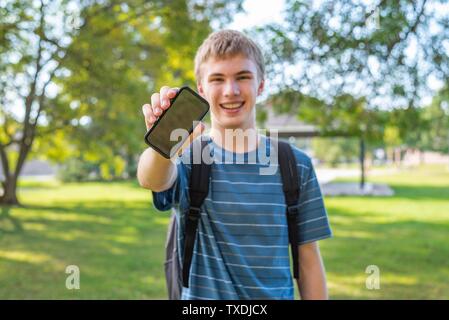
<point x="241" y="250"/>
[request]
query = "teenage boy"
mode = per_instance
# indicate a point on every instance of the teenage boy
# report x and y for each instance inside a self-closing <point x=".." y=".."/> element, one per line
<point x="241" y="249"/>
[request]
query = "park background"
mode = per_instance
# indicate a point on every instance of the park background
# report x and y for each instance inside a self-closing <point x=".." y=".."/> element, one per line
<point x="361" y="86"/>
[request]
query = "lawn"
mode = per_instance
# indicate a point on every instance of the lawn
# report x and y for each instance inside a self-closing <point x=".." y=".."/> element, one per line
<point x="109" y="230"/>
<point x="405" y="236"/>
<point x="116" y="238"/>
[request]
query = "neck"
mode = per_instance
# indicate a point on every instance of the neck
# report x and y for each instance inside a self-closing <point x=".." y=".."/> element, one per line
<point x="235" y="140"/>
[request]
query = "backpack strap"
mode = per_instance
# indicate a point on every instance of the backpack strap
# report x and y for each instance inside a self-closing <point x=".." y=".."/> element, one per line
<point x="198" y="190"/>
<point x="172" y="267"/>
<point x="290" y="185"/>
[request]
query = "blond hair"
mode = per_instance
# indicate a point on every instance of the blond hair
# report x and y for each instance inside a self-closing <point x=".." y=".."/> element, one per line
<point x="229" y="43"/>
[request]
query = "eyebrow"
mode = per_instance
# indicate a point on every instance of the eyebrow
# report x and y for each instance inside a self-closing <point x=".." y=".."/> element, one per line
<point x="237" y="74"/>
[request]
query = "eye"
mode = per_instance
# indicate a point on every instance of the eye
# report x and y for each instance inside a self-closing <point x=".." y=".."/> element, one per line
<point x="216" y="80"/>
<point x="243" y="77"/>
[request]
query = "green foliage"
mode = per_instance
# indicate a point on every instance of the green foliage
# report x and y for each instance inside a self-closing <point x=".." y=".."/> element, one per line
<point x="342" y="64"/>
<point x="112" y="76"/>
<point x="436" y="118"/>
<point x="261" y="116"/>
<point x="76" y="170"/>
<point x="56" y="147"/>
<point x="425" y="128"/>
<point x="346" y="116"/>
<point x="93" y="166"/>
<point x="392" y="136"/>
<point x="334" y="151"/>
<point x="102" y="60"/>
<point x="362" y="49"/>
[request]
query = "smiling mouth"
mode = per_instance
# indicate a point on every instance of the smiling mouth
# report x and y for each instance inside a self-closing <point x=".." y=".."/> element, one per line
<point x="232" y="106"/>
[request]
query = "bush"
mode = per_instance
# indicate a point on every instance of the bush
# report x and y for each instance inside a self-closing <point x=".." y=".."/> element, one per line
<point x="334" y="151"/>
<point x="77" y="170"/>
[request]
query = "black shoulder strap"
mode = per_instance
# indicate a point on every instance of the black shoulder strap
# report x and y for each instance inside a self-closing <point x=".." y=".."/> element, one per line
<point x="198" y="190"/>
<point x="290" y="182"/>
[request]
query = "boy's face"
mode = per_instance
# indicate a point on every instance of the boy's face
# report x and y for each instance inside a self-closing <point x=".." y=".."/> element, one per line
<point x="231" y="86"/>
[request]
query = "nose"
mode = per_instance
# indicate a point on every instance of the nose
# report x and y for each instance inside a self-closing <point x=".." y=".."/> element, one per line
<point x="232" y="88"/>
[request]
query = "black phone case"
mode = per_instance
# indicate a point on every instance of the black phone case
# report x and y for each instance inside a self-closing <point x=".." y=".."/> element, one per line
<point x="172" y="101"/>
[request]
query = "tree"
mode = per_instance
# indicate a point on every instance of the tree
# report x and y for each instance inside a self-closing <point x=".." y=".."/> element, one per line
<point x="335" y="151"/>
<point x="347" y="116"/>
<point x="331" y="49"/>
<point x="86" y="67"/>
<point x="436" y="117"/>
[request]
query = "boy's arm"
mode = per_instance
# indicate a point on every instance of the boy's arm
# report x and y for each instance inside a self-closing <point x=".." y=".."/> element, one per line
<point x="155" y="172"/>
<point x="312" y="278"/>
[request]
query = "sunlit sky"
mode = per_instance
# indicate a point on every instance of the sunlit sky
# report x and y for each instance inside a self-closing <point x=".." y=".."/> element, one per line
<point x="258" y="13"/>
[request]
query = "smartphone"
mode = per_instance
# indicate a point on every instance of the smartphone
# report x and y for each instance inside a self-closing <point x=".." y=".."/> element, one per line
<point x="186" y="109"/>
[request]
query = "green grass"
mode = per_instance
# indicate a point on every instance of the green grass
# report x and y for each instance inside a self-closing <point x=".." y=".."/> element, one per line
<point x="406" y="236"/>
<point x="116" y="238"/>
<point x="110" y="231"/>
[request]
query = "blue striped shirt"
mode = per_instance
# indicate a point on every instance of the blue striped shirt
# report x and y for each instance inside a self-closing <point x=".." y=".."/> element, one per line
<point x="241" y="250"/>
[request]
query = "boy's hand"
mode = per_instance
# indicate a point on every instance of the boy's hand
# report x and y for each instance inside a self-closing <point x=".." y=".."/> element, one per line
<point x="160" y="102"/>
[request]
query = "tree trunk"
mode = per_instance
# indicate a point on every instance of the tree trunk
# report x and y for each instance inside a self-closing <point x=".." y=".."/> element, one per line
<point x="362" y="163"/>
<point x="421" y="157"/>
<point x="9" y="196"/>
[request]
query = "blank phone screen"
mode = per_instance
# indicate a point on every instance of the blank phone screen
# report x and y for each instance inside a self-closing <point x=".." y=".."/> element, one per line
<point x="185" y="110"/>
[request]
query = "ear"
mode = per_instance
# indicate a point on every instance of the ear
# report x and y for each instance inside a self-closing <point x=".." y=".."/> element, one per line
<point x="261" y="87"/>
<point x="200" y="88"/>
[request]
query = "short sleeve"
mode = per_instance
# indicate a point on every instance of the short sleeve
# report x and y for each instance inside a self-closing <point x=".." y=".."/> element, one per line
<point x="313" y="222"/>
<point x="165" y="200"/>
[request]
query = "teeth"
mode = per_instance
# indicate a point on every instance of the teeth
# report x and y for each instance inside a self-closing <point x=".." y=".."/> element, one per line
<point x="231" y="105"/>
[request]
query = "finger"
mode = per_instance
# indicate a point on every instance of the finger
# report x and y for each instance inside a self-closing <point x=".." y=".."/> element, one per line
<point x="165" y="102"/>
<point x="148" y="124"/>
<point x="146" y="110"/>
<point x="156" y="104"/>
<point x="171" y="93"/>
<point x="148" y="114"/>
